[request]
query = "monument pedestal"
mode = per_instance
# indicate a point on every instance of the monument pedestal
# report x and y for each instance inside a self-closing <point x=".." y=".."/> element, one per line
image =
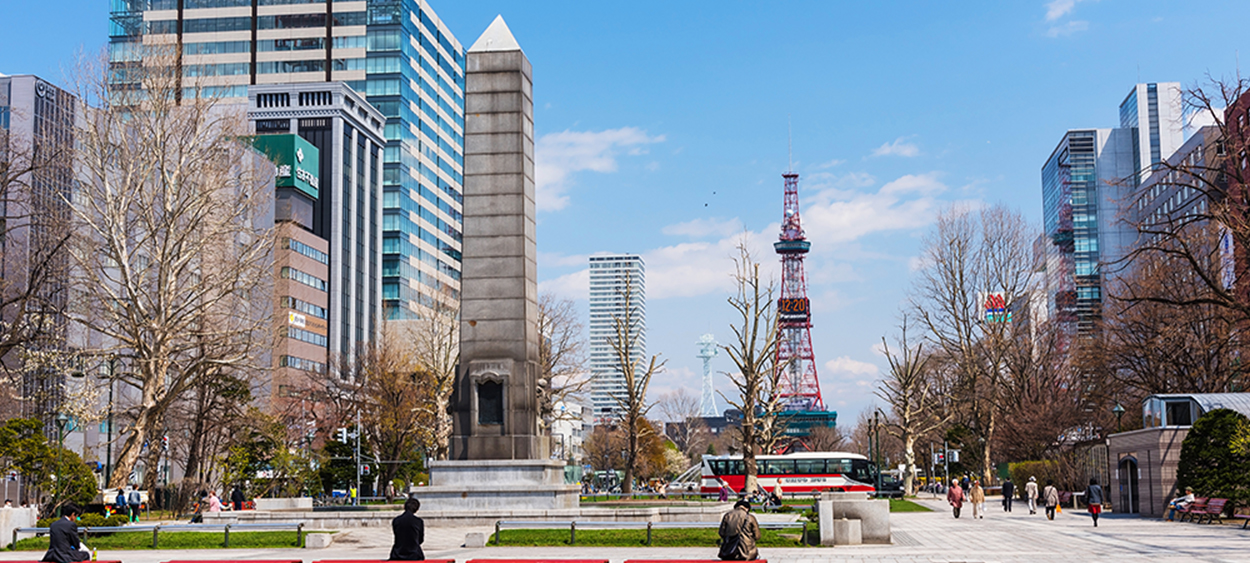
<point x="513" y="484"/>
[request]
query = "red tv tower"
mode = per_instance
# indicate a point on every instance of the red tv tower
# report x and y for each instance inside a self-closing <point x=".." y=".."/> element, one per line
<point x="800" y="389"/>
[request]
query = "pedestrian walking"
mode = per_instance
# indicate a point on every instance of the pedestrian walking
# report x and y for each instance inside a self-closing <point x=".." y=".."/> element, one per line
<point x="237" y="498"/>
<point x="1051" y="496"/>
<point x="955" y="496"/>
<point x="214" y="503"/>
<point x="738" y="533"/>
<point x="723" y="494"/>
<point x="966" y="483"/>
<point x="1093" y="496"/>
<point x="1009" y="490"/>
<point x="977" y="498"/>
<point x="1030" y="490"/>
<point x="120" y="505"/>
<point x="409" y="533"/>
<point x="134" y="501"/>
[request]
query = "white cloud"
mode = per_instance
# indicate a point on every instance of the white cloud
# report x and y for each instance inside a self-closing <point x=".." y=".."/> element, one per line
<point x="1067" y="28"/>
<point x="569" y="286"/>
<point x="702" y="228"/>
<point x="845" y="365"/>
<point x="830" y="164"/>
<point x="906" y="203"/>
<point x="1058" y="9"/>
<point x="560" y="155"/>
<point x="899" y="147"/>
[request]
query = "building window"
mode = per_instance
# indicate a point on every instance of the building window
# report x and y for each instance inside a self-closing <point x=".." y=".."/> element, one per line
<point x="304" y="307"/>
<point x="304" y="278"/>
<point x="489" y="402"/>
<point x="306" y="336"/>
<point x="292" y="244"/>
<point x="296" y="362"/>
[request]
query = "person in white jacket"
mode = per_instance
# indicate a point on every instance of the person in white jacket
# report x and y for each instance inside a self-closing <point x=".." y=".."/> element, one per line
<point x="1030" y="490"/>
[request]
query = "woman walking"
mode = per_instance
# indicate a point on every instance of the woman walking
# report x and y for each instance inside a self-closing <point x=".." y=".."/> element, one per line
<point x="1030" y="490"/>
<point x="955" y="496"/>
<point x="977" y="498"/>
<point x="1093" y="496"/>
<point x="1051" y="495"/>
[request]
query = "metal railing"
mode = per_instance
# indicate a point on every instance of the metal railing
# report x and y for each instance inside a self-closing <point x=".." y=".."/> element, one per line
<point x="156" y="529"/>
<point x="574" y="525"/>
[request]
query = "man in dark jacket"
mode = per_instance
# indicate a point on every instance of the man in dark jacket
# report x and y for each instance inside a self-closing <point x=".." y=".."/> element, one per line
<point x="738" y="533"/>
<point x="237" y="498"/>
<point x="1009" y="491"/>
<point x="63" y="539"/>
<point x="409" y="533"/>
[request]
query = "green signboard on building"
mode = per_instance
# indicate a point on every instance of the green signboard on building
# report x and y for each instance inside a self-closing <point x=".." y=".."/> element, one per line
<point x="298" y="161"/>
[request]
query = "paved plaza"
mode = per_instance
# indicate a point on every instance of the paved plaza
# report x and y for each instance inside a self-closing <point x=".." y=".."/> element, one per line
<point x="918" y="536"/>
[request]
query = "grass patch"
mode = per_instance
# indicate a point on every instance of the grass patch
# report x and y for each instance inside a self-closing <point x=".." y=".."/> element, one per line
<point x="173" y="540"/>
<point x="902" y="505"/>
<point x="697" y="537"/>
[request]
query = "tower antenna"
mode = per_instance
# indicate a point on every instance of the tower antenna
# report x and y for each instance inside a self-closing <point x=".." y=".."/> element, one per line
<point x="790" y="143"/>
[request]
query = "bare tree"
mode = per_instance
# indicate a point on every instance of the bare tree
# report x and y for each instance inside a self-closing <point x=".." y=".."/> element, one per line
<point x="688" y="431"/>
<point x="915" y="396"/>
<point x="394" y="389"/>
<point x="172" y="250"/>
<point x="970" y="256"/>
<point x="561" y="358"/>
<point x="636" y="372"/>
<point x="436" y="353"/>
<point x="826" y="439"/>
<point x="753" y="352"/>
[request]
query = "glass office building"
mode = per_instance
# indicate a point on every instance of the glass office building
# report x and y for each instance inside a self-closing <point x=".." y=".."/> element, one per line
<point x="611" y="277"/>
<point x="397" y="52"/>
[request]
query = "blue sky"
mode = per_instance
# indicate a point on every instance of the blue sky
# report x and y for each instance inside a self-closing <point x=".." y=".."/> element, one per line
<point x="662" y="130"/>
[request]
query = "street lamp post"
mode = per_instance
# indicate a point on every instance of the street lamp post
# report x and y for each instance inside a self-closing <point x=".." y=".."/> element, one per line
<point x="1119" y="412"/>
<point x="61" y="421"/>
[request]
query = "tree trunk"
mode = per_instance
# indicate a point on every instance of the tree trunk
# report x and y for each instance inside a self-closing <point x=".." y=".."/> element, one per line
<point x="749" y="467"/>
<point x="909" y="455"/>
<point x="627" y="483"/>
<point x="987" y="466"/>
<point x="129" y="456"/>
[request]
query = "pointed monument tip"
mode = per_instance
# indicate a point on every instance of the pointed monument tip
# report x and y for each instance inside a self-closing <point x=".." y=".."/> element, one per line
<point x="497" y="37"/>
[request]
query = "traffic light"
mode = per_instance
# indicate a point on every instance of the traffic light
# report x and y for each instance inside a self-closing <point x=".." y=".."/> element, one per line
<point x="939" y="458"/>
<point x="364" y="469"/>
<point x="954" y="456"/>
<point x="343" y="435"/>
<point x="164" y="443"/>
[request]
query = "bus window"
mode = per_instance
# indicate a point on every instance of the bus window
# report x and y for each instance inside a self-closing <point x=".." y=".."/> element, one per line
<point x="780" y="467"/>
<point x="718" y="467"/>
<point x="839" y="466"/>
<point x="809" y="466"/>
<point x="735" y="467"/>
<point x="863" y="471"/>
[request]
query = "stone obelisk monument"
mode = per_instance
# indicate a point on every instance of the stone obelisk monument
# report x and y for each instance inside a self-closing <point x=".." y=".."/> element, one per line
<point x="500" y="460"/>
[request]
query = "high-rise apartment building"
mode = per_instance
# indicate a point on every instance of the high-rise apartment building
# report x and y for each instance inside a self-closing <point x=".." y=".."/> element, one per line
<point x="342" y="212"/>
<point x="614" y="281"/>
<point x="396" y="52"/>
<point x="1088" y="187"/>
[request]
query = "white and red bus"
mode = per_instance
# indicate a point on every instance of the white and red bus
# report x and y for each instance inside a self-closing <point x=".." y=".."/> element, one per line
<point x="803" y="472"/>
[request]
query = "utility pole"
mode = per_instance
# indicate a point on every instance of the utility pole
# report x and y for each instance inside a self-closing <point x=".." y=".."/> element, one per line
<point x="356" y="500"/>
<point x="108" y="443"/>
<point x="876" y="430"/>
<point x="946" y="461"/>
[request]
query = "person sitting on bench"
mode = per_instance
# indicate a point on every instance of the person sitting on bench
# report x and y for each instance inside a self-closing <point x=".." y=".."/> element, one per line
<point x="1180" y="503"/>
<point x="63" y="539"/>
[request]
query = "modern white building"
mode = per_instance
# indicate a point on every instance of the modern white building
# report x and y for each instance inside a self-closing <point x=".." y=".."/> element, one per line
<point x="615" y="280"/>
<point x="1089" y="184"/>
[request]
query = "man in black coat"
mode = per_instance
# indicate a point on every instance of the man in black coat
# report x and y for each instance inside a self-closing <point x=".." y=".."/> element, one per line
<point x="63" y="539"/>
<point x="1009" y="491"/>
<point x="409" y="533"/>
<point x="237" y="498"/>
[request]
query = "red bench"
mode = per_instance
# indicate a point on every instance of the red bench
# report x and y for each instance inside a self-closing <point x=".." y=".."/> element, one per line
<point x="1213" y="511"/>
<point x="1245" y="517"/>
<point x="537" y="561"/>
<point x="685" y="561"/>
<point x="100" y="561"/>
<point x="374" y="561"/>
<point x="236" y="560"/>
<point x="1197" y="506"/>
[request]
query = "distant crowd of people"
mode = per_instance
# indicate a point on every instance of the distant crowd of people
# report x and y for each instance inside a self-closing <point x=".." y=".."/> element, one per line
<point x="970" y="491"/>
